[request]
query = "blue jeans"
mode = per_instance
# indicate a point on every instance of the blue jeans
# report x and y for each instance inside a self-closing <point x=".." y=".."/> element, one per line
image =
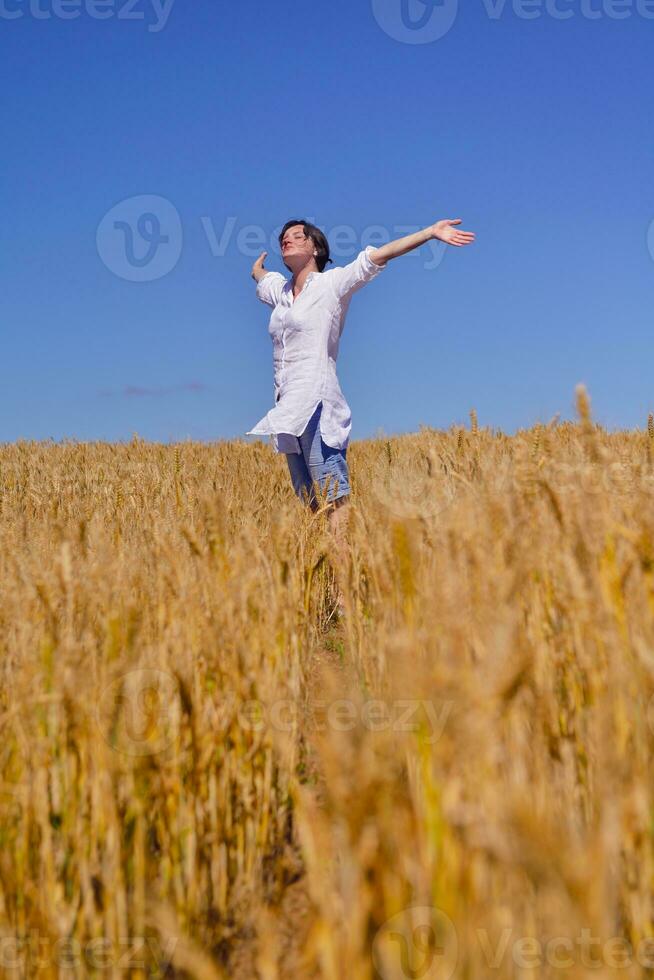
<point x="319" y="464"/>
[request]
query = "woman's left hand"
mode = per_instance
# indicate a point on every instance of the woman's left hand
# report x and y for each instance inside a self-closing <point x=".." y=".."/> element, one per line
<point x="446" y="232"/>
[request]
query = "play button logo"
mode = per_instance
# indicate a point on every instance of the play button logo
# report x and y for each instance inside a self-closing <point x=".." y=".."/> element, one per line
<point x="415" y="21"/>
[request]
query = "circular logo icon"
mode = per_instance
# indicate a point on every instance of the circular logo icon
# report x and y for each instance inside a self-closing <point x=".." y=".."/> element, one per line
<point x="140" y="239"/>
<point x="415" y="21"/>
<point x="413" y="485"/>
<point x="136" y="712"/>
<point x="419" y="942"/>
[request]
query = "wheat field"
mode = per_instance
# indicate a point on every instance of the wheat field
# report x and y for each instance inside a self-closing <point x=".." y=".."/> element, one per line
<point x="204" y="773"/>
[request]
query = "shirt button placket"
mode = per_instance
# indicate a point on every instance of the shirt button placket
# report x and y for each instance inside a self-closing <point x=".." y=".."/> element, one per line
<point x="283" y="350"/>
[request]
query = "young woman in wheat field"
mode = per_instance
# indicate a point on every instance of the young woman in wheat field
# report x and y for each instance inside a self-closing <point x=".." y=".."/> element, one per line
<point x="311" y="420"/>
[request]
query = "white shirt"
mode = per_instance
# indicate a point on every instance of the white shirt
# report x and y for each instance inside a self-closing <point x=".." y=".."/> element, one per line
<point x="305" y="333"/>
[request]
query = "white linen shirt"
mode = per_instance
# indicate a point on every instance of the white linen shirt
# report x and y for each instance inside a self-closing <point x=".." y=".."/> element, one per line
<point x="305" y="333"/>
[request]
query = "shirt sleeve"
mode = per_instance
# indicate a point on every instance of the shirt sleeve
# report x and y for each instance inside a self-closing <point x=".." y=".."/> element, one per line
<point x="269" y="288"/>
<point x="348" y="279"/>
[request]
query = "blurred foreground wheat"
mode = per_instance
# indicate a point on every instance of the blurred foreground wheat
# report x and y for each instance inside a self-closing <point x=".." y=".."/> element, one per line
<point x="202" y="775"/>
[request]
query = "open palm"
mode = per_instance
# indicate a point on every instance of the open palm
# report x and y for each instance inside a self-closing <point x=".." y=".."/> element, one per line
<point x="451" y="235"/>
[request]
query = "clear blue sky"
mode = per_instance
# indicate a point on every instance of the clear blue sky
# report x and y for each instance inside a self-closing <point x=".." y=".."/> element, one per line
<point x="537" y="132"/>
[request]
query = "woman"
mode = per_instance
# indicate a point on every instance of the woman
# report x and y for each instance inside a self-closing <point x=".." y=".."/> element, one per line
<point x="311" y="420"/>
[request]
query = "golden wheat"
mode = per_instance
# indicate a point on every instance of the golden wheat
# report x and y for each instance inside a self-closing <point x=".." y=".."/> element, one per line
<point x="203" y="777"/>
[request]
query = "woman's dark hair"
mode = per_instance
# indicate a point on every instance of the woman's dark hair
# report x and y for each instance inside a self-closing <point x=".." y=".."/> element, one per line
<point x="316" y="236"/>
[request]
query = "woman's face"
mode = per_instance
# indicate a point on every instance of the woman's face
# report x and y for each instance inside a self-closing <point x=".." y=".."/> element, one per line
<point x="297" y="247"/>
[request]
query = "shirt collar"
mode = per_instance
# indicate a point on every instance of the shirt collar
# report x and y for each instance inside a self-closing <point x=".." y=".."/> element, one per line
<point x="310" y="276"/>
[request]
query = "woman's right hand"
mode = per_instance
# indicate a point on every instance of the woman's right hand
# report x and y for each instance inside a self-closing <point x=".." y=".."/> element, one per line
<point x="258" y="271"/>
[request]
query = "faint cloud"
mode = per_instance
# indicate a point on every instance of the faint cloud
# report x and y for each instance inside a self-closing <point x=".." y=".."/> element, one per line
<point x="134" y="391"/>
<point x="141" y="391"/>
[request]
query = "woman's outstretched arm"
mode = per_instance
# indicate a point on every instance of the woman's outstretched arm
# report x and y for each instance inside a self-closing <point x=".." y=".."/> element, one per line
<point x="270" y="291"/>
<point x="258" y="271"/>
<point x="445" y="231"/>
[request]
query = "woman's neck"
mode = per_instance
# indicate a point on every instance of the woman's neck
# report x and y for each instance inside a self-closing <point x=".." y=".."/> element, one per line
<point x="299" y="278"/>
